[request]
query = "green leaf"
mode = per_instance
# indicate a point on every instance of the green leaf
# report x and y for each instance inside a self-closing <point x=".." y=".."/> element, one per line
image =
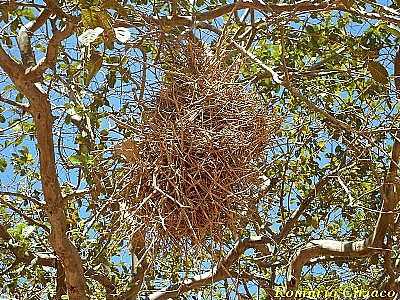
<point x="3" y="164"/>
<point x="93" y="66"/>
<point x="75" y="159"/>
<point x="378" y="72"/>
<point x="8" y="87"/>
<point x="27" y="13"/>
<point x="394" y="30"/>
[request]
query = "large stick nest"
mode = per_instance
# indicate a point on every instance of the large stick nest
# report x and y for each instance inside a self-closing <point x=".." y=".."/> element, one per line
<point x="195" y="167"/>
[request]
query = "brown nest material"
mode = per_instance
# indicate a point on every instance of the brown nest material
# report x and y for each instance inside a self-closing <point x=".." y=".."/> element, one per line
<point x="195" y="165"/>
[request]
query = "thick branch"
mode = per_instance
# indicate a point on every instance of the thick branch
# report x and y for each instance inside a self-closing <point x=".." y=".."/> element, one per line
<point x="11" y="67"/>
<point x="389" y="190"/>
<point x="55" y="204"/>
<point x="39" y="22"/>
<point x="326" y="248"/>
<point x="108" y="285"/>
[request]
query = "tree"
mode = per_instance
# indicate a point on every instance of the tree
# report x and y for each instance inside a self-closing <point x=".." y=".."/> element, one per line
<point x="75" y="77"/>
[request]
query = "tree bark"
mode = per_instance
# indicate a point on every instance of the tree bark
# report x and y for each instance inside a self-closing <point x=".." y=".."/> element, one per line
<point x="40" y="109"/>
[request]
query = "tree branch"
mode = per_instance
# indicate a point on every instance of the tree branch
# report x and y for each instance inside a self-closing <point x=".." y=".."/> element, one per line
<point x="10" y="66"/>
<point x="55" y="204"/>
<point x="299" y="211"/>
<point x="301" y="6"/>
<point x="21" y="106"/>
<point x="21" y="255"/>
<point x="269" y="8"/>
<point x="53" y="6"/>
<point x="375" y="242"/>
<point x="108" y="285"/>
<point x="391" y="185"/>
<point x="319" y="248"/>
<point x="52" y="50"/>
<point x="25" y="216"/>
<point x="219" y="272"/>
<point x="24" y="38"/>
<point x="139" y="266"/>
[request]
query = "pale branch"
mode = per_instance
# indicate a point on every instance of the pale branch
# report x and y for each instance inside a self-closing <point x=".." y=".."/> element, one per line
<point x="263" y="66"/>
<point x="25" y="48"/>
<point x="24" y="40"/>
<point x="326" y="248"/>
<point x="219" y="272"/>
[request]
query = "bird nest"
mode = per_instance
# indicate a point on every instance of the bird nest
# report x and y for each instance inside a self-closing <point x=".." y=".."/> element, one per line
<point x="194" y="169"/>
